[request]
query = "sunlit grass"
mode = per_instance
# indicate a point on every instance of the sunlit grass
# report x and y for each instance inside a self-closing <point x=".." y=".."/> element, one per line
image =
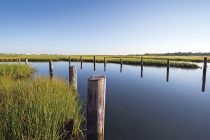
<point x="16" y="71"/>
<point x="177" y="61"/>
<point x="38" y="109"/>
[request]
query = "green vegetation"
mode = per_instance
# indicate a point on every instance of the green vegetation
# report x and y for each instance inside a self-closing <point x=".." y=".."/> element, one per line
<point x="16" y="71"/>
<point x="37" y="108"/>
<point x="176" y="61"/>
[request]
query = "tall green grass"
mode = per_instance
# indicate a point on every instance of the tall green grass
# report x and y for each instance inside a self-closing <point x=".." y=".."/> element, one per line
<point x="178" y="61"/>
<point x="38" y="109"/>
<point x="16" y="71"/>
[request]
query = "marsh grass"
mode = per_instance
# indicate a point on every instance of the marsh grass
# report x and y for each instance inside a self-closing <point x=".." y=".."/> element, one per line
<point x="16" y="71"/>
<point x="39" y="109"/>
<point x="178" y="61"/>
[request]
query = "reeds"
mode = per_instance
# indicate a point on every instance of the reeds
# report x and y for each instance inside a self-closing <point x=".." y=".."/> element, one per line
<point x="39" y="109"/>
<point x="16" y="71"/>
<point x="178" y="61"/>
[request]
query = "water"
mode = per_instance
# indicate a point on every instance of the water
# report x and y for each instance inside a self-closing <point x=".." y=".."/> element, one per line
<point x="148" y="107"/>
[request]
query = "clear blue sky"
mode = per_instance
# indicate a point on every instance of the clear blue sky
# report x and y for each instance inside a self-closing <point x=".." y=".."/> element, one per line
<point x="104" y="26"/>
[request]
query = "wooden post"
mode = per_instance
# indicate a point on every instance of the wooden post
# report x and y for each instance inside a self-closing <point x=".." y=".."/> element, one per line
<point x="167" y="73"/>
<point x="104" y="63"/>
<point x="142" y="61"/>
<point x="73" y="76"/>
<point x="96" y="107"/>
<point x="94" y="62"/>
<point x="51" y="68"/>
<point x="121" y="61"/>
<point x="69" y="61"/>
<point x="204" y="74"/>
<point x="26" y="61"/>
<point x="81" y="62"/>
<point x="19" y="61"/>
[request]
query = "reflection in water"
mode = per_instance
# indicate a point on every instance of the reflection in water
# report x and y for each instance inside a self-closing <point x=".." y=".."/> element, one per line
<point x="81" y="65"/>
<point x="147" y="113"/>
<point x="94" y="65"/>
<point x="167" y="74"/>
<point x="121" y="68"/>
<point x="81" y="62"/>
<point x="204" y="82"/>
<point x="141" y="71"/>
<point x="104" y="66"/>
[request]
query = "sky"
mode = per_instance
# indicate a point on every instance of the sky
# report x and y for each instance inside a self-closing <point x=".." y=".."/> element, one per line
<point x="104" y="26"/>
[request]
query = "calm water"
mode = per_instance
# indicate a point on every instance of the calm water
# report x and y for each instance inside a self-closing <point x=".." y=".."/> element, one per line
<point x="148" y="107"/>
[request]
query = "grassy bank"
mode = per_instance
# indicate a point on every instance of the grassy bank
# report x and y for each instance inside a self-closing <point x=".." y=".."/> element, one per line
<point x="37" y="109"/>
<point x="16" y="71"/>
<point x="176" y="61"/>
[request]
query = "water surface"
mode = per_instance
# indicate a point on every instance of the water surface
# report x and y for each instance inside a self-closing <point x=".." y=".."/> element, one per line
<point x="144" y="106"/>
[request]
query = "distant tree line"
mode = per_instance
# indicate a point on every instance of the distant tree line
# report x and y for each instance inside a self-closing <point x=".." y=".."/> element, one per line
<point x="180" y="54"/>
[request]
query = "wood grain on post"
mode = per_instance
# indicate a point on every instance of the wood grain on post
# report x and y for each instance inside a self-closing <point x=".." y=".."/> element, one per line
<point x="73" y="76"/>
<point x="51" y="68"/>
<point x="204" y="74"/>
<point x="96" y="107"/>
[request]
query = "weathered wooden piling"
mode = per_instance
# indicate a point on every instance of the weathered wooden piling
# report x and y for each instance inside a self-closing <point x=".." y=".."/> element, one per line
<point x="81" y="60"/>
<point x="96" y="107"/>
<point x="26" y="61"/>
<point x="142" y="61"/>
<point x="73" y="76"/>
<point x="167" y="72"/>
<point x="51" y="68"/>
<point x="104" y="63"/>
<point x="69" y="61"/>
<point x="121" y="62"/>
<point x="94" y="62"/>
<point x="19" y="61"/>
<point x="204" y="74"/>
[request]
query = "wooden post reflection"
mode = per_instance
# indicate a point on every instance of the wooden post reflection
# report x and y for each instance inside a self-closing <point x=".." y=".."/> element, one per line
<point x="142" y="71"/>
<point x="167" y="73"/>
<point x="142" y="65"/>
<point x="204" y="74"/>
<point x="81" y="60"/>
<point x="104" y="63"/>
<point x="94" y="62"/>
<point x="121" y="63"/>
